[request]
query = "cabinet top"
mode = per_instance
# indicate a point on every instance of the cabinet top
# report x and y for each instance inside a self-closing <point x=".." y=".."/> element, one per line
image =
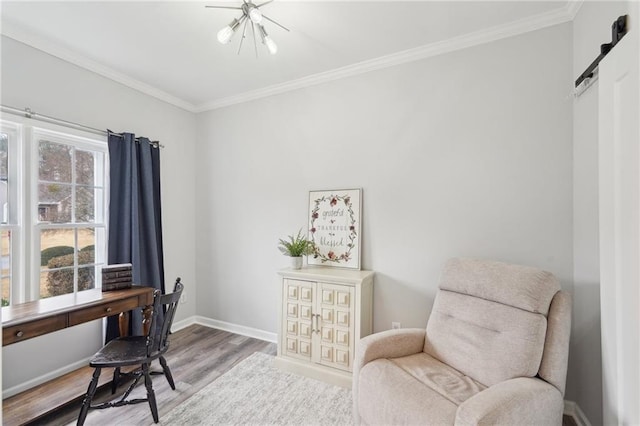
<point x="319" y="273"/>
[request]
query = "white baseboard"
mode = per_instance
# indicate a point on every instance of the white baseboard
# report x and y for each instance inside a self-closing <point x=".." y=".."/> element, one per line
<point x="179" y="325"/>
<point x="6" y="393"/>
<point x="238" y="329"/>
<point x="573" y="410"/>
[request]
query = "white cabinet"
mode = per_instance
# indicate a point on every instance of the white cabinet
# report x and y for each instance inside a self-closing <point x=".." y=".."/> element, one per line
<point x="323" y="312"/>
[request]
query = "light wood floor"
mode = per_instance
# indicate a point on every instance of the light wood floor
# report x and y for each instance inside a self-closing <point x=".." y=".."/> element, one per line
<point x="197" y="356"/>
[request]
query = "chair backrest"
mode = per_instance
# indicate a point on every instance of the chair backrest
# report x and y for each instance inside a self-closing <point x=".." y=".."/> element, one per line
<point x="164" y="310"/>
<point x="489" y="321"/>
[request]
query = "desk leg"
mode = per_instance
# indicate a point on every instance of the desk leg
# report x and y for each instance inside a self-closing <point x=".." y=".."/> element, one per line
<point x="146" y="319"/>
<point x="123" y="323"/>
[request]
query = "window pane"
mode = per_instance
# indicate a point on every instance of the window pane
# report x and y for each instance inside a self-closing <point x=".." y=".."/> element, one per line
<point x="55" y="162"/>
<point x="56" y="248"/>
<point x="57" y="282"/>
<point x="4" y="177"/>
<point x="86" y="278"/>
<point x="5" y="266"/>
<point x="5" y="252"/>
<point x="57" y="267"/>
<point x="6" y="291"/>
<point x="84" y="168"/>
<point x="54" y="203"/>
<point x="85" y="204"/>
<point x="87" y="246"/>
<point x="4" y="155"/>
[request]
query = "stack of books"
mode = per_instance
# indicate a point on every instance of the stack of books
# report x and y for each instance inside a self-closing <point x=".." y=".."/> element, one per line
<point x="116" y="277"/>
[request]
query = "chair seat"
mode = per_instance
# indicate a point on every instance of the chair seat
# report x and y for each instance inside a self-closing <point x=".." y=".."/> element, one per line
<point x="417" y="387"/>
<point x="121" y="352"/>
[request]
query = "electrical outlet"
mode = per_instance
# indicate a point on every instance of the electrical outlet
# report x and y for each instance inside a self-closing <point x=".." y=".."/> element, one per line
<point x="183" y="298"/>
<point x="395" y="325"/>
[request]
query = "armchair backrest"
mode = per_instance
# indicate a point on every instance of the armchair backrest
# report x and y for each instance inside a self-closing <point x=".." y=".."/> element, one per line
<point x="495" y="321"/>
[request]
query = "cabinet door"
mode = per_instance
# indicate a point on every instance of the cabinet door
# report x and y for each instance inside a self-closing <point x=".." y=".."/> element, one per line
<point x="335" y="342"/>
<point x="297" y="324"/>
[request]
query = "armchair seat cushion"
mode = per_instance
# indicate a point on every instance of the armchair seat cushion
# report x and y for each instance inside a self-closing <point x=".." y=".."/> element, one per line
<point x="417" y="387"/>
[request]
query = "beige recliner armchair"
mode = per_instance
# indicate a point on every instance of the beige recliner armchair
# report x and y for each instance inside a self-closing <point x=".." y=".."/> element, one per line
<point x="494" y="351"/>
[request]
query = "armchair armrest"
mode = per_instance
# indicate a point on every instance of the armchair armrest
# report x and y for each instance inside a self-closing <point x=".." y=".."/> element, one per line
<point x="389" y="344"/>
<point x="386" y="344"/>
<point x="517" y="401"/>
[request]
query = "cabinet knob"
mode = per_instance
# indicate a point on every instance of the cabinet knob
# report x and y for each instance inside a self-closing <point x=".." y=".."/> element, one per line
<point x="20" y="333"/>
<point x="108" y="310"/>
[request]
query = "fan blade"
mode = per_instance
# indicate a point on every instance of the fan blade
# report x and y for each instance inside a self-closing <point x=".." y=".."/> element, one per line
<point x="258" y="6"/>
<point x="269" y="19"/>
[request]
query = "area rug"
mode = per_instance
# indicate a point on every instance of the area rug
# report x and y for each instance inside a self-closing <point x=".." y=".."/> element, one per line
<point x="254" y="392"/>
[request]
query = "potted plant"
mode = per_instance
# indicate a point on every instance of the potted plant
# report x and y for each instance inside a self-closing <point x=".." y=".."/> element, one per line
<point x="296" y="247"/>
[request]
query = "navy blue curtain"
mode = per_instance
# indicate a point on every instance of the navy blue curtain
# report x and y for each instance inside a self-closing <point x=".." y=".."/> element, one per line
<point x="135" y="228"/>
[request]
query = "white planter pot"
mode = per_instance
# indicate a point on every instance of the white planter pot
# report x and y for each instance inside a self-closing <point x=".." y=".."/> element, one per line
<point x="296" y="262"/>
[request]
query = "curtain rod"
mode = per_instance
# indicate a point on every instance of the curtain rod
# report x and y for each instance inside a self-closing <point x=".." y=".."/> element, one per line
<point x="28" y="113"/>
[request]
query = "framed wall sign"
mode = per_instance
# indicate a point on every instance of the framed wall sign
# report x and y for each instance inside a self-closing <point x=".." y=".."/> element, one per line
<point x="334" y="227"/>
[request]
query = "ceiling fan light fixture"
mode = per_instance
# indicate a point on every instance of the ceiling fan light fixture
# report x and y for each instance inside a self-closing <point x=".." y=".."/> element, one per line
<point x="251" y="17"/>
<point x="225" y="34"/>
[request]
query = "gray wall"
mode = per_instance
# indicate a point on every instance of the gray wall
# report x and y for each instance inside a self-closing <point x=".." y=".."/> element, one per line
<point x="465" y="154"/>
<point x="31" y="78"/>
<point x="591" y="28"/>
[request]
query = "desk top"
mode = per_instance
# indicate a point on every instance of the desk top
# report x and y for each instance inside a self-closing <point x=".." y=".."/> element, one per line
<point x="30" y="311"/>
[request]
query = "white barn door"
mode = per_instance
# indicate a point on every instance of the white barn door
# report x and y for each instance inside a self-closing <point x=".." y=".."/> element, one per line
<point x="619" y="154"/>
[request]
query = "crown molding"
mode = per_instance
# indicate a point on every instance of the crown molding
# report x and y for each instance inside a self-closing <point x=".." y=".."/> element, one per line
<point x="22" y="35"/>
<point x="514" y="28"/>
<point x="573" y="7"/>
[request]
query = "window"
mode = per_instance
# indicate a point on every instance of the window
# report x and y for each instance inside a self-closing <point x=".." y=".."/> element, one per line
<point x="10" y="234"/>
<point x="69" y="212"/>
<point x="63" y="227"/>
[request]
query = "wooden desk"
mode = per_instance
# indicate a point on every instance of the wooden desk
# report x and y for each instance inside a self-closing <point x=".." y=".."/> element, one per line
<point x="27" y="320"/>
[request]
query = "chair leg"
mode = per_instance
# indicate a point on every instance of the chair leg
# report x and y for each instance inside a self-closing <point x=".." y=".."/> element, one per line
<point x="116" y="379"/>
<point x="86" y="403"/>
<point x="167" y="372"/>
<point x="151" y="396"/>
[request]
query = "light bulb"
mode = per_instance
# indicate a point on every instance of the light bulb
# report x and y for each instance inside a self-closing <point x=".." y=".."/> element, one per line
<point x="225" y="34"/>
<point x="271" y="45"/>
<point x="255" y="15"/>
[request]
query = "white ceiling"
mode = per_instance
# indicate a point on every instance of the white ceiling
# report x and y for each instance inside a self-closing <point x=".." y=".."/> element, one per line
<point x="169" y="49"/>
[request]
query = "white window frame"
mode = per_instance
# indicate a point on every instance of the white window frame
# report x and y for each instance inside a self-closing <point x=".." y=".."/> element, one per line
<point x="15" y="212"/>
<point x="26" y="253"/>
<point x="81" y="143"/>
